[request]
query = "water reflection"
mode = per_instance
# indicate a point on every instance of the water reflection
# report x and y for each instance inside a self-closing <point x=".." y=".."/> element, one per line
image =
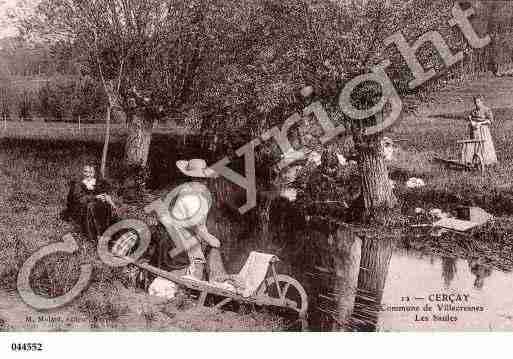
<point x="372" y="278"/>
<point x="418" y="278"/>
<point x="412" y="271"/>
<point x="481" y="271"/>
<point x="449" y="270"/>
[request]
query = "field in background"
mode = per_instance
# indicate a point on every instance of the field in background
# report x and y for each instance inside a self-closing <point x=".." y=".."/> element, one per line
<point x="457" y="97"/>
<point x="30" y="83"/>
<point x="36" y="130"/>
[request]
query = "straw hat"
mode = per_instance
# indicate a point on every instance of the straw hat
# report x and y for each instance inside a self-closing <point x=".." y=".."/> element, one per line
<point x="196" y="168"/>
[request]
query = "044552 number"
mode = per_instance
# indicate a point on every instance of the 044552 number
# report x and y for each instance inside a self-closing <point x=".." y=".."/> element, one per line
<point x="26" y="347"/>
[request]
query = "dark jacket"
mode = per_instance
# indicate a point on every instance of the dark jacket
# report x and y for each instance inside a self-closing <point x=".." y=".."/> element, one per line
<point x="161" y="245"/>
<point x="79" y="196"/>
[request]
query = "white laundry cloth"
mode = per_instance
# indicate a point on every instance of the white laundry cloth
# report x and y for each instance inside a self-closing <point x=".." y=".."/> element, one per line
<point x="254" y="271"/>
<point x="163" y="288"/>
<point x="415" y="183"/>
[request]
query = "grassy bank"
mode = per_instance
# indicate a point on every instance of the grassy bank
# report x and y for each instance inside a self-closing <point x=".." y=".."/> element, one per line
<point x="428" y="137"/>
<point x="34" y="177"/>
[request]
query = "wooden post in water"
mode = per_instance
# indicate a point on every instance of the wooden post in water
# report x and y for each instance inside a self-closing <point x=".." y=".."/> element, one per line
<point x="376" y="255"/>
<point x="346" y="258"/>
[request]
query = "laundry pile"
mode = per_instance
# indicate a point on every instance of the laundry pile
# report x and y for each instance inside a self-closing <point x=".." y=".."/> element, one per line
<point x="462" y="219"/>
<point x="415" y="183"/>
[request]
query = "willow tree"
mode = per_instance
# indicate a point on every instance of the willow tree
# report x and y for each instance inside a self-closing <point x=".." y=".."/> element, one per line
<point x="286" y="45"/>
<point x="343" y="40"/>
<point x="146" y="53"/>
<point x="323" y="45"/>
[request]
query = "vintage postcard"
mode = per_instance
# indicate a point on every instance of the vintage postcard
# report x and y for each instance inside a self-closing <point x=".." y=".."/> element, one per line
<point x="256" y="165"/>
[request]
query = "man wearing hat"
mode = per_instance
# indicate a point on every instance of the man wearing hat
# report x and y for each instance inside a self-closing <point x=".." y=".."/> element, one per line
<point x="187" y="215"/>
<point x="191" y="209"/>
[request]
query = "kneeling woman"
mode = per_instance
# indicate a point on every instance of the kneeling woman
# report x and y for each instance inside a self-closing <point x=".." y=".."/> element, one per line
<point x="90" y="204"/>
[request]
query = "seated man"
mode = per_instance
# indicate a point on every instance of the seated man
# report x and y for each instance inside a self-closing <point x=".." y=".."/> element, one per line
<point x="161" y="254"/>
<point x="191" y="235"/>
<point x="89" y="204"/>
<point x="158" y="253"/>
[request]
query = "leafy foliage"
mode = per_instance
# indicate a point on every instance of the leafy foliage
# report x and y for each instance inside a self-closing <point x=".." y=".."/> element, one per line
<point x="246" y="59"/>
<point x="63" y="98"/>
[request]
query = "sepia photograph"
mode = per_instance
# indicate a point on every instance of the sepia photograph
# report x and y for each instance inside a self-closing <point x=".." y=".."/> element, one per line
<point x="255" y="166"/>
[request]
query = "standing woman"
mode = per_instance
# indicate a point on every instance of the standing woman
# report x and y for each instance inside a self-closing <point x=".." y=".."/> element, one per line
<point x="480" y="120"/>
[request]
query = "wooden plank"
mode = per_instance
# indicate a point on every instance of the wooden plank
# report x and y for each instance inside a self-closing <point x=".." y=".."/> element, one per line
<point x="455" y="224"/>
<point x="452" y="162"/>
<point x="223" y="303"/>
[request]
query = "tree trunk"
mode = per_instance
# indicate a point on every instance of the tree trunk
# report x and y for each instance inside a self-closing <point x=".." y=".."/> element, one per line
<point x="376" y="196"/>
<point x="137" y="145"/>
<point x="113" y="102"/>
<point x="346" y="259"/>
<point x="137" y="149"/>
<point x="375" y="260"/>
<point x="106" y="143"/>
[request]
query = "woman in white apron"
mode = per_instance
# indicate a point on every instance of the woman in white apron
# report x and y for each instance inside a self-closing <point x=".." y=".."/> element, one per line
<point x="480" y="120"/>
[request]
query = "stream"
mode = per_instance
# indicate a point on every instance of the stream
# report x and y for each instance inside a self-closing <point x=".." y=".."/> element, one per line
<point x="463" y="296"/>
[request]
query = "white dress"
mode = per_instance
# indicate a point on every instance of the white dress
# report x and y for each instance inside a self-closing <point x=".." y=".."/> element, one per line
<point x="481" y="131"/>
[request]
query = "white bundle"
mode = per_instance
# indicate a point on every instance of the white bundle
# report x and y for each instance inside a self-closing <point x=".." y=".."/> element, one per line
<point x="415" y="183"/>
<point x="163" y="288"/>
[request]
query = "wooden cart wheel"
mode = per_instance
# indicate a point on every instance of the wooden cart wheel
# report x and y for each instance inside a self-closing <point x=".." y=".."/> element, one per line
<point x="478" y="163"/>
<point x="290" y="290"/>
